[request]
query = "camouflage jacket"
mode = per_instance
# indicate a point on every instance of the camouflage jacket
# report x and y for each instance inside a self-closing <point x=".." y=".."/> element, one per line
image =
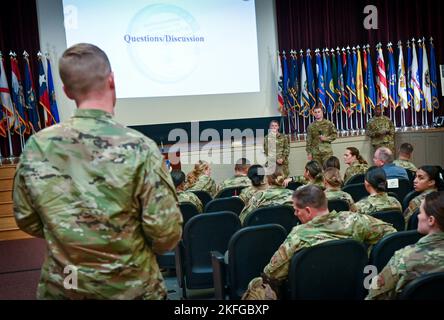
<point x="277" y="147"/>
<point x="333" y="194"/>
<point x="188" y="196"/>
<point x="248" y="193"/>
<point x="318" y="181"/>
<point x="354" y="169"/>
<point x="273" y="196"/>
<point x="377" y="202"/>
<point x="204" y="183"/>
<point x="236" y="181"/>
<point x="382" y="132"/>
<point x="416" y="203"/>
<point x="407" y="264"/>
<point x="103" y="200"/>
<point x="408" y="165"/>
<point x="314" y="145"/>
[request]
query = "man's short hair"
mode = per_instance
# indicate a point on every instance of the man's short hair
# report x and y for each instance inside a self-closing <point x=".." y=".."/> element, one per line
<point x="318" y="106"/>
<point x="310" y="196"/>
<point x="406" y="148"/>
<point x="384" y="154"/>
<point x="242" y="165"/>
<point x="84" y="68"/>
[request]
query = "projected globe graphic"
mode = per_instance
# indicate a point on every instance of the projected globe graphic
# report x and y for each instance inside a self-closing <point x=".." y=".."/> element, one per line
<point x="163" y="43"/>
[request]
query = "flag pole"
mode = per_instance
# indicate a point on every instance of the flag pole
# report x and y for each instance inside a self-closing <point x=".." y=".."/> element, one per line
<point x="12" y="56"/>
<point x="11" y="154"/>
<point x="402" y="109"/>
<point x="433" y="107"/>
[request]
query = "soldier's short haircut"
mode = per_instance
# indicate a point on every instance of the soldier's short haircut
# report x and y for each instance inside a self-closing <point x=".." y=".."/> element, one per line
<point x="406" y="148"/>
<point x="84" y="68"/>
<point x="178" y="177"/>
<point x="377" y="178"/>
<point x="242" y="165"/>
<point x="318" y="106"/>
<point x="384" y="154"/>
<point x="434" y="206"/>
<point x="310" y="196"/>
<point x="273" y="121"/>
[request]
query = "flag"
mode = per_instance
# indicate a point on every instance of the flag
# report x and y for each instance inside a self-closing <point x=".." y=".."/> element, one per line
<point x="351" y="85"/>
<point x="402" y="81"/>
<point x="293" y="84"/>
<point x="321" y="81"/>
<point x="371" y="89"/>
<point x="305" y="99"/>
<point x="359" y="84"/>
<point x="21" y="123"/>
<point x="410" y="93"/>
<point x="392" y="81"/>
<point x="310" y="81"/>
<point x="5" y="99"/>
<point x="414" y="80"/>
<point x="433" y="76"/>
<point x="44" y="95"/>
<point x="280" y="97"/>
<point x="381" y="79"/>
<point x="340" y="89"/>
<point x="52" y="97"/>
<point x="330" y="85"/>
<point x="426" y="88"/>
<point x="30" y="99"/>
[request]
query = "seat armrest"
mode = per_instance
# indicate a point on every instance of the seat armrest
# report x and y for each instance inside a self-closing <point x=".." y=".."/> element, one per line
<point x="219" y="275"/>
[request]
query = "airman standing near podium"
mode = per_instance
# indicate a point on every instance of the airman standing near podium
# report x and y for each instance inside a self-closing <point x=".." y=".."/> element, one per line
<point x="321" y="134"/>
<point x="277" y="149"/>
<point x="381" y="131"/>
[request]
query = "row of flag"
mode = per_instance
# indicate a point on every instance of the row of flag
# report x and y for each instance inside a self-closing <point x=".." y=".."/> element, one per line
<point x="20" y="107"/>
<point x="344" y="80"/>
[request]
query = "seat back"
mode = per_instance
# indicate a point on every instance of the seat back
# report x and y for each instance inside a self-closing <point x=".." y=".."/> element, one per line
<point x="404" y="187"/>
<point x="393" y="217"/>
<point x="282" y="215"/>
<point x="233" y="204"/>
<point x="229" y="192"/>
<point x="384" y="250"/>
<point x="426" y="287"/>
<point x="413" y="220"/>
<point x="293" y="185"/>
<point x="203" y="196"/>
<point x="357" y="191"/>
<point x="411" y="174"/>
<point x="332" y="270"/>
<point x="356" y="179"/>
<point x="202" y="234"/>
<point x="409" y="197"/>
<point x="188" y="211"/>
<point x="249" y="251"/>
<point x="338" y="205"/>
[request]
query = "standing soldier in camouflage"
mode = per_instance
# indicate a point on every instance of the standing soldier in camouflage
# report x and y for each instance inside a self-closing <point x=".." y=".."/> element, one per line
<point x="97" y="192"/>
<point x="318" y="226"/>
<point x="411" y="262"/>
<point x="378" y="199"/>
<point x="321" y="134"/>
<point x="404" y="157"/>
<point x="277" y="149"/>
<point x="381" y="131"/>
<point x="356" y="163"/>
<point x="240" y="178"/>
<point x="185" y="196"/>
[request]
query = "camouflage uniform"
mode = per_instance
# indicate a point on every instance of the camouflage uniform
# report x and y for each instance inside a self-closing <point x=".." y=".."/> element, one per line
<point x="376" y="203"/>
<point x="318" y="181"/>
<point x="103" y="200"/>
<point x="407" y="264"/>
<point x="281" y="151"/>
<point x="273" y="196"/>
<point x="376" y="128"/>
<point x="416" y="203"/>
<point x="320" y="150"/>
<point x="354" y="169"/>
<point x="332" y="226"/>
<point x="236" y="181"/>
<point x="338" y="194"/>
<point x="408" y="165"/>
<point x="248" y="193"/>
<point x="187" y="196"/>
<point x="204" y="183"/>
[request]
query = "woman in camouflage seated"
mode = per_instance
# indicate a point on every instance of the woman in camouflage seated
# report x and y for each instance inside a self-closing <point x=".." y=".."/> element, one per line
<point x="312" y="175"/>
<point x="378" y="200"/>
<point x="274" y="195"/>
<point x="333" y="183"/>
<point x="256" y="174"/>
<point x="356" y="163"/>
<point x="427" y="180"/>
<point x="200" y="179"/>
